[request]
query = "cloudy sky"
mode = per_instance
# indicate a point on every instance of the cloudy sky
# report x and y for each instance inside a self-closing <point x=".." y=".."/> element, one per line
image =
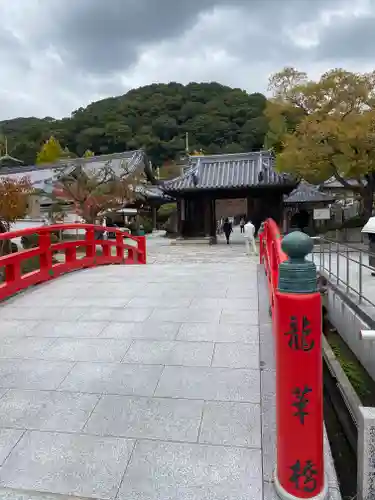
<point x="58" y="55"/>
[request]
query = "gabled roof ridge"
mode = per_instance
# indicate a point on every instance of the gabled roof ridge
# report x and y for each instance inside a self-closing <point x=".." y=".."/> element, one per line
<point x="248" y="153"/>
<point x="223" y="172"/>
<point x="190" y="171"/>
<point x="63" y="163"/>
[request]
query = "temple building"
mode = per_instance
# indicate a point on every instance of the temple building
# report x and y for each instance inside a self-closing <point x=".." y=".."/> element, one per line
<point x="230" y="185"/>
<point x="45" y="178"/>
<point x="299" y="207"/>
<point x="6" y="160"/>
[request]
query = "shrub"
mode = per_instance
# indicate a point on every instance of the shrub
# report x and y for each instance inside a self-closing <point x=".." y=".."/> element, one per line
<point x="32" y="264"/>
<point x="32" y="240"/>
<point x="147" y="224"/>
<point x="171" y="225"/>
<point x="29" y="265"/>
<point x="164" y="212"/>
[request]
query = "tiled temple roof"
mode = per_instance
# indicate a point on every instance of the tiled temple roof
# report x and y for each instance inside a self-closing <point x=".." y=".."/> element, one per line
<point x="241" y="170"/>
<point x="44" y="176"/>
<point x="307" y="193"/>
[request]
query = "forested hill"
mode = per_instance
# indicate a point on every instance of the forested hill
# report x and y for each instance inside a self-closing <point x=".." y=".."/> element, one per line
<point x="156" y="117"/>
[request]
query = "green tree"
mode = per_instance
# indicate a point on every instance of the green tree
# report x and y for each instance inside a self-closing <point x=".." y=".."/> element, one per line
<point x="50" y="152"/>
<point x="88" y="153"/>
<point x="335" y="130"/>
<point x="155" y="117"/>
<point x="287" y="107"/>
<point x="67" y="154"/>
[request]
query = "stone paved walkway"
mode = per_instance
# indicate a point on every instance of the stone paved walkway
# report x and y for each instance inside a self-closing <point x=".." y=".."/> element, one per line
<point x="136" y="382"/>
<point x="147" y="382"/>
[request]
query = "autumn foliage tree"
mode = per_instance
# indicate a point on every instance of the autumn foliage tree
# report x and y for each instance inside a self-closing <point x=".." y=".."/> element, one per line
<point x="95" y="192"/>
<point x="14" y="195"/>
<point x="51" y="152"/>
<point x="325" y="128"/>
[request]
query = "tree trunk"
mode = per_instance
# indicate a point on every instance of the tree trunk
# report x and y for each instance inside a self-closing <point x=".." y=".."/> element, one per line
<point x="5" y="245"/>
<point x="367" y="203"/>
<point x="368" y="195"/>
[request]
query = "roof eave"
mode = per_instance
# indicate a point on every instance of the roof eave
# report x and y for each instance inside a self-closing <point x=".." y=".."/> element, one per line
<point x="281" y="186"/>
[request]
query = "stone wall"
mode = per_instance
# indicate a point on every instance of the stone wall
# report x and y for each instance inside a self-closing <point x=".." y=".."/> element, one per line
<point x="33" y="206"/>
<point x="349" y="325"/>
<point x="350" y="235"/>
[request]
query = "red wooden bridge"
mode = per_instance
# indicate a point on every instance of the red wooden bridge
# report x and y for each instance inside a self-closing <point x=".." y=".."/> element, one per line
<point x="45" y="249"/>
<point x="158" y="381"/>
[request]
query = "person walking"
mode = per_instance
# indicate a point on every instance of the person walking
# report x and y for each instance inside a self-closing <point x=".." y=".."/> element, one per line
<point x="249" y="231"/>
<point x="227" y="229"/>
<point x="242" y="225"/>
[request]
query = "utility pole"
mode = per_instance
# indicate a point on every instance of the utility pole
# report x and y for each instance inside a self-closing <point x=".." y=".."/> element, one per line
<point x="187" y="143"/>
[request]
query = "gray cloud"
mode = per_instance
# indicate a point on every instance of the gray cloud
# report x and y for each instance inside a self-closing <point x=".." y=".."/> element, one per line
<point x="58" y="55"/>
<point x="104" y="35"/>
<point x="101" y="36"/>
<point x="349" y="39"/>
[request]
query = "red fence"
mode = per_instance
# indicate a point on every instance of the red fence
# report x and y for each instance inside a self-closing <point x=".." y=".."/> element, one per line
<point x="271" y="255"/>
<point x="51" y="266"/>
<point x="297" y="325"/>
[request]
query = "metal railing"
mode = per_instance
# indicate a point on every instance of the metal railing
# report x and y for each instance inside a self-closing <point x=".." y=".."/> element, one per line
<point x="347" y="266"/>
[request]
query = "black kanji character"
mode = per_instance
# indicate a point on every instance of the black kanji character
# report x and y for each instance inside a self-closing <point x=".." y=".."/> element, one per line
<point x="299" y="341"/>
<point x="301" y="402"/>
<point x="306" y="331"/>
<point x="293" y="333"/>
<point x="307" y="473"/>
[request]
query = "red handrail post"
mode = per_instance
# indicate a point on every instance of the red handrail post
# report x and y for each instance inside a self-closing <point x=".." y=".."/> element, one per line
<point x="261" y="242"/>
<point x="13" y="271"/>
<point x="71" y="255"/>
<point x="142" y="257"/>
<point x="120" y="245"/>
<point x="45" y="254"/>
<point x="299" y="379"/>
<point x="90" y="242"/>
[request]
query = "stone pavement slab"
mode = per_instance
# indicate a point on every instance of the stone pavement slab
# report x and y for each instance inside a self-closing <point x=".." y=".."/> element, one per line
<point x="236" y="355"/>
<point x="64" y="329"/>
<point x="214" y="384"/>
<point x="97" y="349"/>
<point x="8" y="440"/>
<point x="218" y="333"/>
<point x="70" y="464"/>
<point x="162" y="352"/>
<point x="189" y="471"/>
<point x="46" y="410"/>
<point x="112" y="378"/>
<point x="231" y="424"/>
<point x="153" y="418"/>
<point x="33" y="374"/>
<point x="149" y="329"/>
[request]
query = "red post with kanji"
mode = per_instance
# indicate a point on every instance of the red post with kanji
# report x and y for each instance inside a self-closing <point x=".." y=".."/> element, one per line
<point x="299" y="377"/>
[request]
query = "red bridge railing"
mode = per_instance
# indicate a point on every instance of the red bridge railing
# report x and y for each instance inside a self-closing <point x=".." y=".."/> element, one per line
<point x="47" y="253"/>
<point x="295" y="306"/>
<point x="271" y="255"/>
